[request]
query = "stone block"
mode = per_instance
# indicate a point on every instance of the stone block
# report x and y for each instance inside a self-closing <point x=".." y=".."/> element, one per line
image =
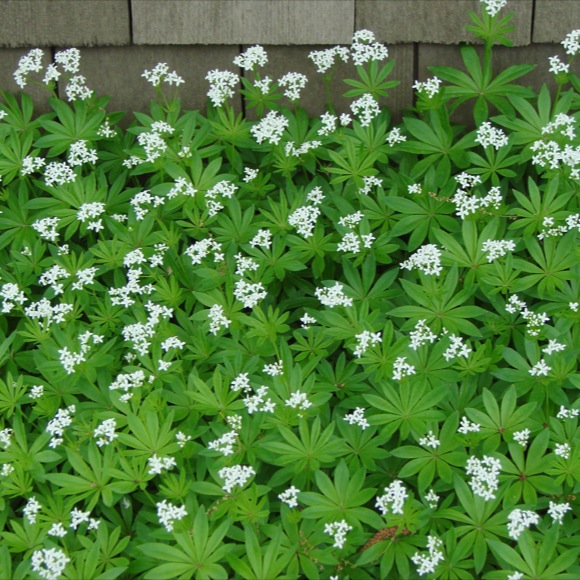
<point x="554" y="19"/>
<point x="242" y="21"/>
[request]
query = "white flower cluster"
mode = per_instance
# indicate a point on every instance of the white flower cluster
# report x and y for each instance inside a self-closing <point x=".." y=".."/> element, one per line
<point x="432" y="499"/>
<point x="168" y="514"/>
<point x="292" y="151"/>
<point x="58" y="424"/>
<point x="557" y="66"/>
<point x="357" y="417"/>
<point x="369" y="182"/>
<point x="351" y="242"/>
<point x="325" y="59"/>
<point x="221" y="84"/>
<point x="59" y="173"/>
<point x="57" y="530"/>
<point x="522" y="437"/>
<point x="402" y="369"/>
<point x="36" y="391"/>
<point x="558" y="511"/>
<point x="563" y="450"/>
<point x="366" y="109"/>
<point x="225" y="443"/>
<point x="141" y="334"/>
<point x="293" y="82"/>
<point x="69" y="360"/>
<point x="143" y="198"/>
<point x="223" y="188"/>
<point x="160" y="74"/>
<point x="304" y="218"/>
<point x="274" y="369"/>
<point x="5" y="437"/>
<point x="51" y="277"/>
<point x="49" y="563"/>
<point x="490" y="136"/>
<point x="426" y="563"/>
<point x="91" y="211"/>
<point x="366" y="339"/>
<point x="11" y="295"/>
<point x="350" y="221"/>
<point x="252" y="57"/>
<point x="307" y="320"/>
<point x="333" y="296"/>
<point x="290" y="496"/>
<point x="258" y="401"/>
<point x="241" y="382"/>
<point x="497" y="248"/>
<point x="298" y="400"/>
<point x="201" y="249"/>
<point x="365" y="49"/>
<point x="484" y="476"/>
<point x="467" y="426"/>
<point x="394" y="498"/>
<point x="564" y="413"/>
<point x="43" y="309"/>
<point x="492" y="7"/>
<point x="31" y="510"/>
<point x="263" y="85"/>
<point x="394" y="136"/>
<point x="244" y="263"/>
<point x="126" y="382"/>
<point x="79" y="517"/>
<point x="534" y="321"/>
<point x="31" y="164"/>
<point x="46" y="228"/>
<point x="456" y="349"/>
<point x="158" y="464"/>
<point x="430" y="87"/>
<point x="338" y="531"/>
<point x="467" y="204"/>
<point x="79" y="154"/>
<point x="236" y="475"/>
<point x="249" y="294"/>
<point x="540" y="369"/>
<point x="421" y="335"/>
<point x="427" y="259"/>
<point x="152" y="141"/>
<point x="106" y="432"/>
<point x="572" y="42"/>
<point x="250" y="174"/>
<point x="218" y="319"/>
<point x="270" y="128"/>
<point x="263" y="239"/>
<point x="520" y="521"/>
<point x="31" y="62"/>
<point x="430" y="441"/>
<point x="181" y="187"/>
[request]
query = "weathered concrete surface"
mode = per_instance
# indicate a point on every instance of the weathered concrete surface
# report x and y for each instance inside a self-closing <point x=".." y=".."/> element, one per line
<point x="65" y="23"/>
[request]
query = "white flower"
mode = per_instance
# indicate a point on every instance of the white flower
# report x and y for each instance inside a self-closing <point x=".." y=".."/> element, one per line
<point x="557" y="66"/>
<point x="357" y="417"/>
<point x="36" y="391"/>
<point x="11" y="294"/>
<point x="294" y="82"/>
<point x="338" y="531"/>
<point x="182" y="438"/>
<point x="160" y="74"/>
<point x="172" y="342"/>
<point x="557" y="511"/>
<point x="325" y="59"/>
<point x="49" y="563"/>
<point x="168" y="514"/>
<point x="221" y="85"/>
<point x="274" y="369"/>
<point x="364" y="48"/>
<point x="430" y="441"/>
<point x="270" y="128"/>
<point x="456" y="348"/>
<point x="59" y="173"/>
<point x="253" y="57"/>
<point x="366" y="109"/>
<point x="290" y="496"/>
<point x="366" y="339"/>
<point x="328" y="124"/>
<point x="249" y="294"/>
<point x="59" y="423"/>
<point x="484" y="476"/>
<point x="540" y="369"/>
<point x="564" y="413"/>
<point x="553" y="346"/>
<point x="394" y="498"/>
<point x="225" y="444"/>
<point x="432" y="499"/>
<point x="430" y="87"/>
<point x="307" y="320"/>
<point x="253" y="402"/>
<point x="402" y="369"/>
<point x="394" y="136"/>
<point x="522" y="437"/>
<point x="521" y="520"/>
<point x="78" y="517"/>
<point x="426" y="564"/>
<point x="77" y="89"/>
<point x="218" y="319"/>
<point x="241" y="382"/>
<point x="497" y="248"/>
<point x="427" y="259"/>
<point x="32" y="164"/>
<point x="563" y="450"/>
<point x="298" y="400"/>
<point x="489" y="136"/>
<point x="467" y="426"/>
<point x="414" y="189"/>
<point x="492" y="7"/>
<point x="236" y="475"/>
<point x="31" y="510"/>
<point x="572" y="42"/>
<point x="333" y="296"/>
<point x="126" y="382"/>
<point x="350" y="221"/>
<point x="158" y="464"/>
<point x="263" y="239"/>
<point x="304" y="219"/>
<point x="31" y="62"/>
<point x="421" y="335"/>
<point x="369" y="182"/>
<point x="79" y="153"/>
<point x="106" y="432"/>
<point x="57" y="530"/>
<point x="250" y="174"/>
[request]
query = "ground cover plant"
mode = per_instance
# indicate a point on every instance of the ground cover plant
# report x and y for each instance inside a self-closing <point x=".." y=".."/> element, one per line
<point x="293" y="347"/>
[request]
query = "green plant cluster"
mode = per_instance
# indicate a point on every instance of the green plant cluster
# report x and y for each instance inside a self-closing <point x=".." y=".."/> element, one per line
<point x="293" y="347"/>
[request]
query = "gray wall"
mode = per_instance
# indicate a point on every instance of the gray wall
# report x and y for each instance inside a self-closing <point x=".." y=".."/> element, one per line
<point x="121" y="38"/>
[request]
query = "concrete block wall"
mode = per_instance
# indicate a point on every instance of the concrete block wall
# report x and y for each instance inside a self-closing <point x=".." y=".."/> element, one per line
<point x="119" y="39"/>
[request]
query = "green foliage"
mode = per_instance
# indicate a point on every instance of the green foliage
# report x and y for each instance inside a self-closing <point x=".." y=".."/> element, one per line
<point x="293" y="347"/>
